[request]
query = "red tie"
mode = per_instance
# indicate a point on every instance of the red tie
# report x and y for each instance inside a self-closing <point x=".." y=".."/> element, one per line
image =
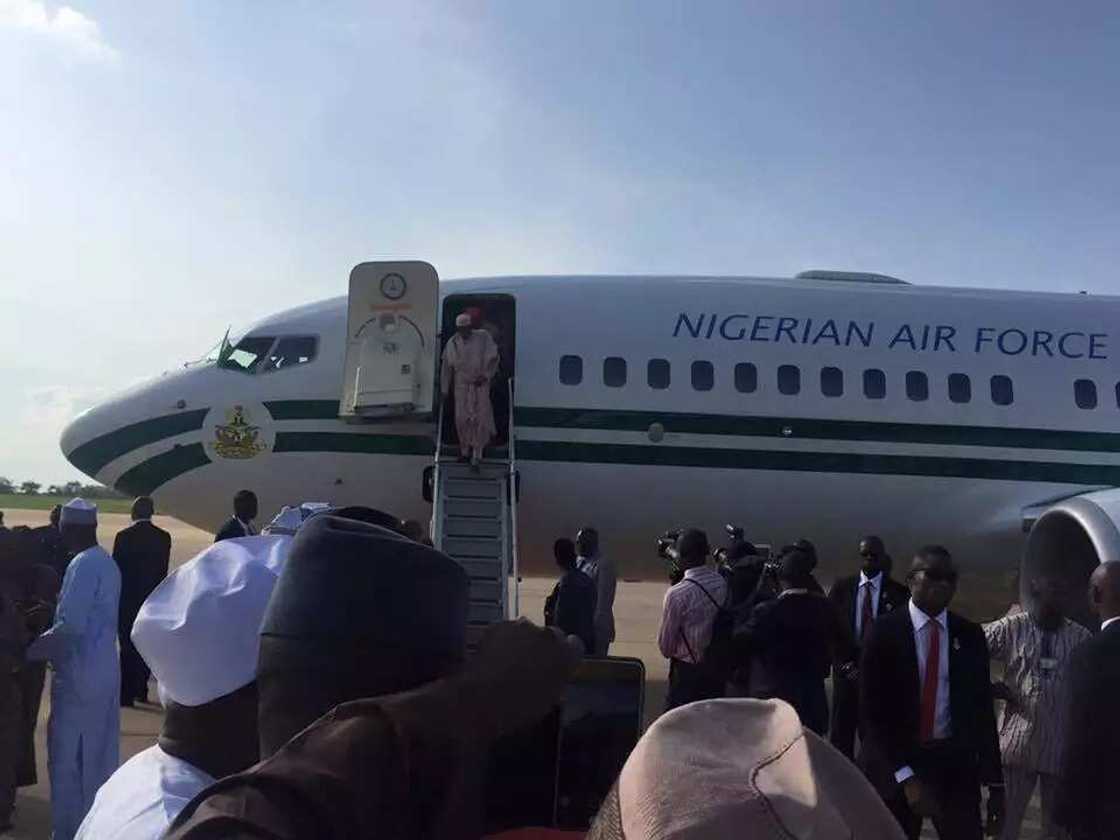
<point x="867" y="617"/>
<point x="929" y="684"/>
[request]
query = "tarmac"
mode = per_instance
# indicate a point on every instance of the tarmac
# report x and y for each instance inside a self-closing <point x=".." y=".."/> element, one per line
<point x="637" y="615"/>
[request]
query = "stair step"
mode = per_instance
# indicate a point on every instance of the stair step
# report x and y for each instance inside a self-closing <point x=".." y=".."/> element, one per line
<point x="479" y="612"/>
<point x="472" y="508"/>
<point x="472" y="488"/>
<point x="454" y="526"/>
<point x="482" y="569"/>
<point x="485" y="591"/>
<point x="472" y="548"/>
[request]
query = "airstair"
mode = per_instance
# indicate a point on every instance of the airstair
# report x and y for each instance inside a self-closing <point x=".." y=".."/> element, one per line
<point x="474" y="521"/>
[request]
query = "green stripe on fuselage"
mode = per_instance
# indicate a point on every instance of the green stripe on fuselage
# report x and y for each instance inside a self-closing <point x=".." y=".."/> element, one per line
<point x="96" y="453"/>
<point x="147" y="476"/>
<point x="162" y="468"/>
<point x="761" y="426"/>
<point x="823" y="462"/>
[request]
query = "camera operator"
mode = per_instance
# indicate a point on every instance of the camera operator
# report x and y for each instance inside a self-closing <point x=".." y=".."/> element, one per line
<point x="689" y="613"/>
<point x="791" y="641"/>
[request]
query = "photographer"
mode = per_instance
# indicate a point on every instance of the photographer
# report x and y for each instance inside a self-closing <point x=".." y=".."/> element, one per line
<point x="791" y="642"/>
<point x="689" y="612"/>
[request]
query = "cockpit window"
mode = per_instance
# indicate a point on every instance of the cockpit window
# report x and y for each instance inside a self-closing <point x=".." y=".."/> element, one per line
<point x="247" y="353"/>
<point x="289" y="352"/>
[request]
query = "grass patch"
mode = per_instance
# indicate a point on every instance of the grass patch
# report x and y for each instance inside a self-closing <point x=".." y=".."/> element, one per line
<point x="18" y="501"/>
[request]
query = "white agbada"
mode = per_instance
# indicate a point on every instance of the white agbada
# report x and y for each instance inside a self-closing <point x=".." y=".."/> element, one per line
<point x="83" y="732"/>
<point x="198" y="632"/>
<point x="470" y="359"/>
<point x="143" y="798"/>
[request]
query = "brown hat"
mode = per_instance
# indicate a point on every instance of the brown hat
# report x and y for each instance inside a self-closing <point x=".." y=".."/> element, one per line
<point x="752" y="772"/>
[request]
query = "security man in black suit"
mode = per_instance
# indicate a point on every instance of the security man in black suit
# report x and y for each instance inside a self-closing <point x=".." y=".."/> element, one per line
<point x="142" y="551"/>
<point x="859" y="600"/>
<point x="1086" y="802"/>
<point x="790" y="640"/>
<point x="241" y="523"/>
<point x="926" y="709"/>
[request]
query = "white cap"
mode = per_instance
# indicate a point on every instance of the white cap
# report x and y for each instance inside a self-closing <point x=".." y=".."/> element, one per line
<point x="78" y="512"/>
<point x="463" y="320"/>
<point x="198" y="631"/>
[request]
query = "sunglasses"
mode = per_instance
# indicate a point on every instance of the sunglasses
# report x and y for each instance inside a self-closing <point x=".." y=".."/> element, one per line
<point x="938" y="575"/>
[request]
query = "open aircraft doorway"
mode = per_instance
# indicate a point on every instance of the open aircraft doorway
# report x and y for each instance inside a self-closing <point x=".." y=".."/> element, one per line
<point x="495" y="313"/>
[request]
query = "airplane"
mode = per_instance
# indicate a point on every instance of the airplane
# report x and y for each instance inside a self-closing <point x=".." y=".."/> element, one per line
<point x="826" y="406"/>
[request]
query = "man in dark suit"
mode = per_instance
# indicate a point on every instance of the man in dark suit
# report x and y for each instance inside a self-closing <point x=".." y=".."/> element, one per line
<point x="142" y="551"/>
<point x="790" y="640"/>
<point x="1086" y="802"/>
<point x="571" y="606"/>
<point x="241" y="523"/>
<point x="926" y="710"/>
<point x="859" y="600"/>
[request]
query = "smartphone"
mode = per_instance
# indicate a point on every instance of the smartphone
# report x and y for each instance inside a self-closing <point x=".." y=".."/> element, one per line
<point x="600" y="722"/>
<point x="556" y="773"/>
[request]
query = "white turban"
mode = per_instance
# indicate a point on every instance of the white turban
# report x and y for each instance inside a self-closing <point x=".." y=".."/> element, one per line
<point x="78" y="512"/>
<point x="463" y="320"/>
<point x="198" y="631"/>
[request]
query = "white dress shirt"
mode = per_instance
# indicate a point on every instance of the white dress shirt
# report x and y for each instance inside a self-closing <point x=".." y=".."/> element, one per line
<point x="942" y="719"/>
<point x="867" y="586"/>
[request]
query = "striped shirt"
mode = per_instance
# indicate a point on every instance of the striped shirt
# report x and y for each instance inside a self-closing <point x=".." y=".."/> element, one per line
<point x="686" y="622"/>
<point x="1032" y="724"/>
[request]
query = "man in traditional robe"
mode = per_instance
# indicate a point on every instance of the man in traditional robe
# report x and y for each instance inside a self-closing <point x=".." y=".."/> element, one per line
<point x="471" y="359"/>
<point x="83" y="734"/>
<point x="199" y="632"/>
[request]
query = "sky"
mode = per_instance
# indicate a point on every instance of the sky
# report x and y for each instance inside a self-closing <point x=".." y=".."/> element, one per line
<point x="170" y="169"/>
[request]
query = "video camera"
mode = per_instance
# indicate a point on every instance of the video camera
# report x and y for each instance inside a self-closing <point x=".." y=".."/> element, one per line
<point x="667" y="551"/>
<point x="736" y="536"/>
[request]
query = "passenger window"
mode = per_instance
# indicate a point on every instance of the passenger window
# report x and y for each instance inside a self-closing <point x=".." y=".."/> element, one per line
<point x="960" y="387"/>
<point x="874" y="384"/>
<point x="917" y="386"/>
<point x="571" y="370"/>
<point x="1085" y="393"/>
<point x="789" y="380"/>
<point x="657" y="374"/>
<point x="746" y="378"/>
<point x="614" y="372"/>
<point x="703" y="376"/>
<point x="1002" y="391"/>
<point x="291" y="351"/>
<point x="247" y="353"/>
<point x="832" y="381"/>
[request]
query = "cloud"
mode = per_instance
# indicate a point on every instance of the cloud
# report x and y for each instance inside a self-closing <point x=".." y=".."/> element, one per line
<point x="66" y="26"/>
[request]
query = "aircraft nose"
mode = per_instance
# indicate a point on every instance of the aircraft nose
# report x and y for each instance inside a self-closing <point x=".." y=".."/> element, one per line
<point x="79" y="438"/>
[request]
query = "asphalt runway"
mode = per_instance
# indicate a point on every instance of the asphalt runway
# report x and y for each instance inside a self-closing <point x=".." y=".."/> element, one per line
<point x="637" y="614"/>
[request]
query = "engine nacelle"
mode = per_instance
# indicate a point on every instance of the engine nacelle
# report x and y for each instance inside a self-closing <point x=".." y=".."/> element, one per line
<point x="1069" y="539"/>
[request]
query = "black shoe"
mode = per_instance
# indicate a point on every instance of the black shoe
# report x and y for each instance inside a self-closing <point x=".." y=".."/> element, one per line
<point x="126" y="703"/>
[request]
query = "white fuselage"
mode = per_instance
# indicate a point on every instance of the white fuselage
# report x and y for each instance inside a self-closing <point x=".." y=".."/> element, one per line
<point x="851" y="451"/>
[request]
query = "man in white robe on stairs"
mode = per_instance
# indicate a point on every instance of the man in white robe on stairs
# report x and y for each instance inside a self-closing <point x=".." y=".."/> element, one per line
<point x="471" y="360"/>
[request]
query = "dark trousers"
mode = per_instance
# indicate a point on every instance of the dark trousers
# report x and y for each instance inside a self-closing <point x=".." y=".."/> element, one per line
<point x="845" y="714"/>
<point x="31" y="678"/>
<point x="955" y="784"/>
<point x="134" y="671"/>
<point x="11" y="724"/>
<point x="689" y="683"/>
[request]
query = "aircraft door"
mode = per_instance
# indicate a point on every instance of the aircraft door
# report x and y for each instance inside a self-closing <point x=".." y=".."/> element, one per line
<point x="391" y="343"/>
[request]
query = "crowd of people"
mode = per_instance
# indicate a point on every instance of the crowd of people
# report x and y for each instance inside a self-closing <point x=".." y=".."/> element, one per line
<point x="314" y="683"/>
<point x="911" y="680"/>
